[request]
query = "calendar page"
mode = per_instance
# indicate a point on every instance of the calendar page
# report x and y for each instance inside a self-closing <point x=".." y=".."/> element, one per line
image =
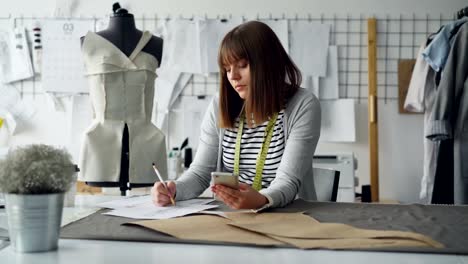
<point x="62" y="63"/>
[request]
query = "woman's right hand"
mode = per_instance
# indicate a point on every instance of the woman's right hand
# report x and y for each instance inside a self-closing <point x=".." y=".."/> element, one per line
<point x="159" y="194"/>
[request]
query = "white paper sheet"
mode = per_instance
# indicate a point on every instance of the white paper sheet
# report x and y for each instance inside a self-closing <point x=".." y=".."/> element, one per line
<point x="194" y="111"/>
<point x="185" y="119"/>
<point x="168" y="90"/>
<point x="181" y="46"/>
<point x="153" y="212"/>
<point x="164" y="87"/>
<point x="280" y="27"/>
<point x="309" y="46"/>
<point x="311" y="83"/>
<point x="144" y="200"/>
<point x="15" y="59"/>
<point x="141" y="207"/>
<point x="329" y="85"/>
<point x="338" y="121"/>
<point x="212" y="32"/>
<point x="62" y="64"/>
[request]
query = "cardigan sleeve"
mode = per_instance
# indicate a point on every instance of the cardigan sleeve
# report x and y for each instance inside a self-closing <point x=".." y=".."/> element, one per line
<point x="197" y="178"/>
<point x="304" y="131"/>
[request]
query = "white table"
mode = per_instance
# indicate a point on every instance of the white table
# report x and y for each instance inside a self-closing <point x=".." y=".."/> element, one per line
<point x="95" y="251"/>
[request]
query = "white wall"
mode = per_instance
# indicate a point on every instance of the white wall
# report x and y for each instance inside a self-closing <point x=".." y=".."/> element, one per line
<point x="400" y="139"/>
<point x="240" y="7"/>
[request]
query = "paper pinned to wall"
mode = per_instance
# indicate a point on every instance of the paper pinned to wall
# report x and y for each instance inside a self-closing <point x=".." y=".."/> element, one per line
<point x="309" y="45"/>
<point x="15" y="59"/>
<point x="212" y="32"/>
<point x="181" y="46"/>
<point x="194" y="111"/>
<point x="169" y="86"/>
<point x="329" y="85"/>
<point x="186" y="117"/>
<point x="163" y="90"/>
<point x="280" y="27"/>
<point x="62" y="63"/>
<point x="311" y="83"/>
<point x="338" y="121"/>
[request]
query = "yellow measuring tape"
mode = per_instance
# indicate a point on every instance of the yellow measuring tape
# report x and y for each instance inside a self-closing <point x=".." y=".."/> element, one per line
<point x="257" y="183"/>
<point x="1" y="122"/>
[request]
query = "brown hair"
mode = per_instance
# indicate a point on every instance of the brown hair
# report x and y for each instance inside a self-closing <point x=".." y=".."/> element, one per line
<point x="274" y="77"/>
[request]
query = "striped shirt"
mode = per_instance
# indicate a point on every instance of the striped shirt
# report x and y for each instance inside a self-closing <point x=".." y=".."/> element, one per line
<point x="251" y="141"/>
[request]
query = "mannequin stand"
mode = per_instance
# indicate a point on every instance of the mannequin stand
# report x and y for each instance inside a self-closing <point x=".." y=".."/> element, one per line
<point x="123" y="183"/>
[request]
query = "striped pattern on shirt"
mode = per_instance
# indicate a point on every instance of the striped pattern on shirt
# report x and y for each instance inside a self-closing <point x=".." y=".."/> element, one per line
<point x="252" y="140"/>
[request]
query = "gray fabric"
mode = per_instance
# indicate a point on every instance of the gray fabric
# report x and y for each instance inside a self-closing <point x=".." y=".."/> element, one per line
<point x="446" y="224"/>
<point x="431" y="148"/>
<point x="105" y="227"/>
<point x="302" y="119"/>
<point x="450" y="111"/>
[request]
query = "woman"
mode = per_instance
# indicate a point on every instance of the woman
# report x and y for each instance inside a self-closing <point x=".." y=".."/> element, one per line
<point x="258" y="80"/>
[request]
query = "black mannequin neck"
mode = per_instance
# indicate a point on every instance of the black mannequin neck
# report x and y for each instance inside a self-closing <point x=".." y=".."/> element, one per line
<point x="122" y="24"/>
<point x="122" y="32"/>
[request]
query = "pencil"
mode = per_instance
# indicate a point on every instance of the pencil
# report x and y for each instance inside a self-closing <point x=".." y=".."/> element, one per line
<point x="164" y="184"/>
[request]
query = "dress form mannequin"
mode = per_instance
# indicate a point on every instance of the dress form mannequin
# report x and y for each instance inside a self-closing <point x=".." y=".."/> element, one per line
<point x="124" y="35"/>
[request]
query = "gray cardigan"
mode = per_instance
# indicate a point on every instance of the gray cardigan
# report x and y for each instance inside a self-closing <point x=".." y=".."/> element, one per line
<point x="302" y="120"/>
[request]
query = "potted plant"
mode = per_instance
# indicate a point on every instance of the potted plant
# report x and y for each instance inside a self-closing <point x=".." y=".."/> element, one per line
<point x="34" y="179"/>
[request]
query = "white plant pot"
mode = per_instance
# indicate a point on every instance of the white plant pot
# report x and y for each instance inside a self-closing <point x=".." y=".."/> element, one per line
<point x="34" y="221"/>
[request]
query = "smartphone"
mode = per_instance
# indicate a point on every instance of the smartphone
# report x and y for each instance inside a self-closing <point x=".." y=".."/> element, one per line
<point x="225" y="178"/>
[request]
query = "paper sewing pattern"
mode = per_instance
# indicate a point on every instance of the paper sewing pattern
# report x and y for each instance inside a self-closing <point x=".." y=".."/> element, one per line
<point x="212" y="32"/>
<point x="187" y="113"/>
<point x="169" y="85"/>
<point x="182" y="46"/>
<point x="338" y="121"/>
<point x="328" y="86"/>
<point x="280" y="27"/>
<point x="309" y="40"/>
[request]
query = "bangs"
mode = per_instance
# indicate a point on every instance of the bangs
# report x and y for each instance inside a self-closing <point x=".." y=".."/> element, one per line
<point x="232" y="50"/>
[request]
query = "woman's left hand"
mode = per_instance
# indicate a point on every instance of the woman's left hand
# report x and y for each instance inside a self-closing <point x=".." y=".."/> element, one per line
<point x="244" y="198"/>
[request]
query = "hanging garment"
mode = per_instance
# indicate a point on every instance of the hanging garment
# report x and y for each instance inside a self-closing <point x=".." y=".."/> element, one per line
<point x="121" y="92"/>
<point x="437" y="52"/>
<point x="414" y="101"/>
<point x="450" y="112"/>
<point x="431" y="148"/>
